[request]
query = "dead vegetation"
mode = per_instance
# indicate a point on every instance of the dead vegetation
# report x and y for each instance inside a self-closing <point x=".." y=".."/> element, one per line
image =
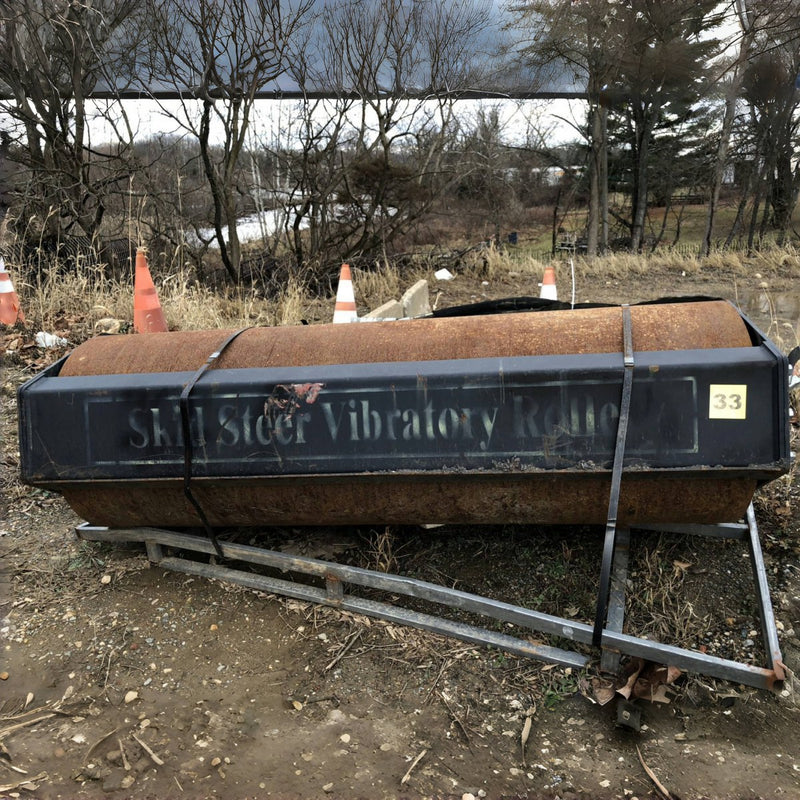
<point x="72" y="301"/>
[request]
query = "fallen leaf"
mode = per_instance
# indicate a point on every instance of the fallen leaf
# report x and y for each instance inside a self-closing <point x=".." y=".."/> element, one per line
<point x="681" y="567"/>
<point x="660" y="695"/>
<point x="603" y="690"/>
<point x="673" y="673"/>
<point x="635" y="667"/>
<point x="526" y="732"/>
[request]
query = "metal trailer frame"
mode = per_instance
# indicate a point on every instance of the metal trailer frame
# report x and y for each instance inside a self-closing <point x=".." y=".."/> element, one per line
<point x="612" y="641"/>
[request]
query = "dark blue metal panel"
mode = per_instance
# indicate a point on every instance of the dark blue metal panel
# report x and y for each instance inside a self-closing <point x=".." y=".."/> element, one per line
<point x="494" y="415"/>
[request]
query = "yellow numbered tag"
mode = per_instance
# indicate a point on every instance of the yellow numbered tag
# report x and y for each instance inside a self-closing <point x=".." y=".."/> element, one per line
<point x="727" y="401"/>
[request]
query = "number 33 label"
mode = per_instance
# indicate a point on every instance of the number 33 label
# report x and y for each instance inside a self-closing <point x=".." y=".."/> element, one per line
<point x="727" y="401"/>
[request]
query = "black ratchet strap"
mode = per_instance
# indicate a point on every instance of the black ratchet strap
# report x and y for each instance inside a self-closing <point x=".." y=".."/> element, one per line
<point x="616" y="478"/>
<point x="187" y="439"/>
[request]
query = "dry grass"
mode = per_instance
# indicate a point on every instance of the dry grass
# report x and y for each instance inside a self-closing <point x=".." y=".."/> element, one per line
<point x="658" y="609"/>
<point x="77" y="298"/>
<point x="373" y="287"/>
<point x="624" y="265"/>
<point x="87" y="295"/>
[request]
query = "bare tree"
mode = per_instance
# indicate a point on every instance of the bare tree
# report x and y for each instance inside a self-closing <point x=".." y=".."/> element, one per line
<point x="732" y="77"/>
<point x="53" y="54"/>
<point x="765" y="129"/>
<point x="369" y="161"/>
<point x="224" y="52"/>
<point x="487" y="168"/>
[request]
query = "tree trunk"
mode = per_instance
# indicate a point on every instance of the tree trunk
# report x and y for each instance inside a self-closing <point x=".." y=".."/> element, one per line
<point x="216" y="189"/>
<point x="731" y="96"/>
<point x="555" y="221"/>
<point x="753" y="178"/>
<point x="720" y="163"/>
<point x="604" y="182"/>
<point x="765" y="180"/>
<point x="593" y="223"/>
<point x="644" y="125"/>
<point x="754" y="215"/>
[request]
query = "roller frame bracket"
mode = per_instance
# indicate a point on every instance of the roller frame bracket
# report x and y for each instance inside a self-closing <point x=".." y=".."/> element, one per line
<point x="338" y="580"/>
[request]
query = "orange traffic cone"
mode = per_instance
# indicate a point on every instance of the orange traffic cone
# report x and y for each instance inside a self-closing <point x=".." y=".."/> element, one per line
<point x="10" y="311"/>
<point x="147" y="314"/>
<point x="548" y="284"/>
<point x="345" y="310"/>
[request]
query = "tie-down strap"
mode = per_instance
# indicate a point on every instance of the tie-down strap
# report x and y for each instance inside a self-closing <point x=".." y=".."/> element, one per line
<point x="187" y="439"/>
<point x="616" y="478"/>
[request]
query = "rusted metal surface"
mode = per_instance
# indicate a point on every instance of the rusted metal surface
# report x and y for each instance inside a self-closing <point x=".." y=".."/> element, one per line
<point x="684" y="466"/>
<point x="464" y="420"/>
<point x="402" y="499"/>
<point x="678" y="326"/>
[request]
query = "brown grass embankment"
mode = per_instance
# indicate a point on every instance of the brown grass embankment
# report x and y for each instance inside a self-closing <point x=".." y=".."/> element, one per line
<point x="77" y="299"/>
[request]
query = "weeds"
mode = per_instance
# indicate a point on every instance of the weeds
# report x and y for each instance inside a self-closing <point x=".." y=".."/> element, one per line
<point x="84" y="292"/>
<point x="559" y="685"/>
<point x="376" y="286"/>
<point x="659" y="609"/>
<point x="382" y="552"/>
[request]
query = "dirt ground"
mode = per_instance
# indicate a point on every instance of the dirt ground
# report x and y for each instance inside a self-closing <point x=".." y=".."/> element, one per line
<point x="121" y="679"/>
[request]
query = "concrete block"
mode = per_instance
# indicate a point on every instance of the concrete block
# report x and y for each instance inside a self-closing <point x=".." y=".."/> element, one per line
<point x="416" y="302"/>
<point x="389" y="310"/>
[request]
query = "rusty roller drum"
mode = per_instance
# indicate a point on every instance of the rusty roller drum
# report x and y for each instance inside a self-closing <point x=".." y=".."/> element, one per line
<point x="331" y="437"/>
<point x="684" y="326"/>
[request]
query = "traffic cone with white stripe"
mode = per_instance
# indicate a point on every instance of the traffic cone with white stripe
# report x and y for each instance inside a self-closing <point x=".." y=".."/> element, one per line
<point x="147" y="314"/>
<point x="345" y="310"/>
<point x="10" y="310"/>
<point x="548" y="284"/>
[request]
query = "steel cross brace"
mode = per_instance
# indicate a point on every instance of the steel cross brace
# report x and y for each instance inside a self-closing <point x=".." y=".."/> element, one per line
<point x="338" y="576"/>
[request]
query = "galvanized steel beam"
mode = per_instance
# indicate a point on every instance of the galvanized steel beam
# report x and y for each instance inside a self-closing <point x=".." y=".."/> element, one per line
<point x="336" y="576"/>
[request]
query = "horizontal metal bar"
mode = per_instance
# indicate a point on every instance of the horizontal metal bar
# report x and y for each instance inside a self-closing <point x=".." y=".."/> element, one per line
<point x="689" y="660"/>
<point x="457" y="630"/>
<point x="277" y="94"/>
<point x="692" y="660"/>
<point x="725" y="530"/>
<point x="410" y="587"/>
